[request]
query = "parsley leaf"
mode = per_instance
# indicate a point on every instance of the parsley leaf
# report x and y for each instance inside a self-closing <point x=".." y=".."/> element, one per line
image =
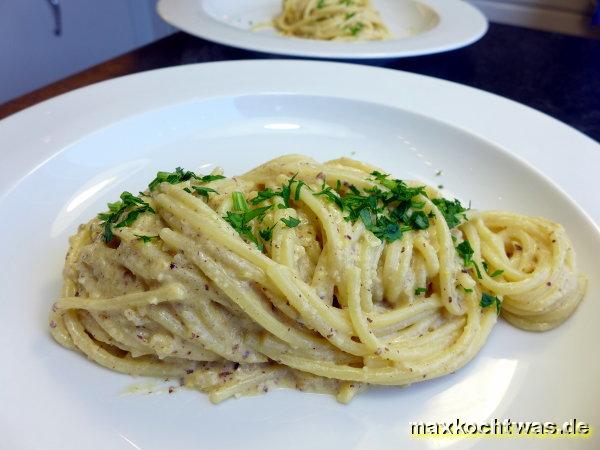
<point x="241" y="216"/>
<point x="453" y="211"/>
<point x="357" y="28"/>
<point x="267" y="233"/>
<point x="419" y="220"/>
<point x="299" y="185"/>
<point x="497" y="273"/>
<point x="489" y="300"/>
<point x="175" y="177"/>
<point x="179" y="176"/>
<point x="321" y="4"/>
<point x="421" y="290"/>
<point x="116" y="211"/>
<point x="465" y="251"/>
<point x="285" y="193"/>
<point x="291" y="222"/>
<point x="145" y="239"/>
<point x="204" y="191"/>
<point x="263" y="195"/>
<point x="209" y="178"/>
<point x="383" y="227"/>
<point x="332" y="195"/>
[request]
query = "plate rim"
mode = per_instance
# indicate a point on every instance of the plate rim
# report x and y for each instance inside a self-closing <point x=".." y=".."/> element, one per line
<point x="223" y="34"/>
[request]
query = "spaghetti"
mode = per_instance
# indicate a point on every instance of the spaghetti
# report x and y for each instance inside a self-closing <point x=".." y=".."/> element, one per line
<point x="345" y="20"/>
<point x="322" y="277"/>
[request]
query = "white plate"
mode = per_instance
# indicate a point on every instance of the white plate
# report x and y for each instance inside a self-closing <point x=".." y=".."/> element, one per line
<point x="64" y="159"/>
<point x="419" y="27"/>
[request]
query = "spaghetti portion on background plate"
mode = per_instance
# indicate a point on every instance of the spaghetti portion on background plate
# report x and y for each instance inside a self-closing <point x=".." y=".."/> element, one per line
<point x="340" y="20"/>
<point x="320" y="277"/>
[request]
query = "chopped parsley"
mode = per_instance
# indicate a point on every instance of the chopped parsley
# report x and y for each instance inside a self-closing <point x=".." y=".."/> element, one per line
<point x="421" y="290"/>
<point x="346" y="2"/>
<point x="332" y="195"/>
<point x="489" y="300"/>
<point x="466" y="289"/>
<point x="419" y="221"/>
<point x="122" y="214"/>
<point x="285" y="193"/>
<point x="291" y="222"/>
<point x="465" y="251"/>
<point x="383" y="227"/>
<point x="267" y="233"/>
<point x="209" y="178"/>
<point x="203" y="190"/>
<point x="299" y="185"/>
<point x="350" y="15"/>
<point x="356" y="28"/>
<point x="496" y="273"/>
<point x="388" y="209"/>
<point x="145" y="239"/>
<point x="264" y="195"/>
<point x="242" y="215"/>
<point x="321" y="4"/>
<point x="453" y="211"/>
<point x="386" y="213"/>
<point x="179" y="176"/>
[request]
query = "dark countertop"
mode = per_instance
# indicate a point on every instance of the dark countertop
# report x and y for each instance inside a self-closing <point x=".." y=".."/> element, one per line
<point x="554" y="73"/>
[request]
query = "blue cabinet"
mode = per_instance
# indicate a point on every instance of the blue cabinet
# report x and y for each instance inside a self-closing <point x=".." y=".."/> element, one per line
<point x="42" y="41"/>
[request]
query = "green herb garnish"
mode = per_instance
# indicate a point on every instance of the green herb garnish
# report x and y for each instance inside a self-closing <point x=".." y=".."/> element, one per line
<point x="145" y="239"/>
<point x="203" y="191"/>
<point x="465" y="251"/>
<point x="285" y="192"/>
<point x="497" y="273"/>
<point x="291" y="222"/>
<point x="356" y="28"/>
<point x="241" y="216"/>
<point x="332" y="195"/>
<point x="419" y="221"/>
<point x="453" y="211"/>
<point x="179" y="176"/>
<point x="489" y="300"/>
<point x="209" y="178"/>
<point x="267" y="233"/>
<point x="263" y="195"/>
<point x="386" y="213"/>
<point x="122" y="214"/>
<point x="421" y="290"/>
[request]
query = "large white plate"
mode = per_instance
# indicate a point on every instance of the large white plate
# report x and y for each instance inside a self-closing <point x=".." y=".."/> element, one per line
<point x="63" y="160"/>
<point x="419" y="27"/>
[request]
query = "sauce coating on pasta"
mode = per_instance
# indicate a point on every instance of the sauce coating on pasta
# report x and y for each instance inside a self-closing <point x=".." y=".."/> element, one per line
<point x="321" y="277"/>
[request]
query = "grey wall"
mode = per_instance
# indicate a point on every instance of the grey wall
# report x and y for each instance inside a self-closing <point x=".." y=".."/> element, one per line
<point x="31" y="55"/>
